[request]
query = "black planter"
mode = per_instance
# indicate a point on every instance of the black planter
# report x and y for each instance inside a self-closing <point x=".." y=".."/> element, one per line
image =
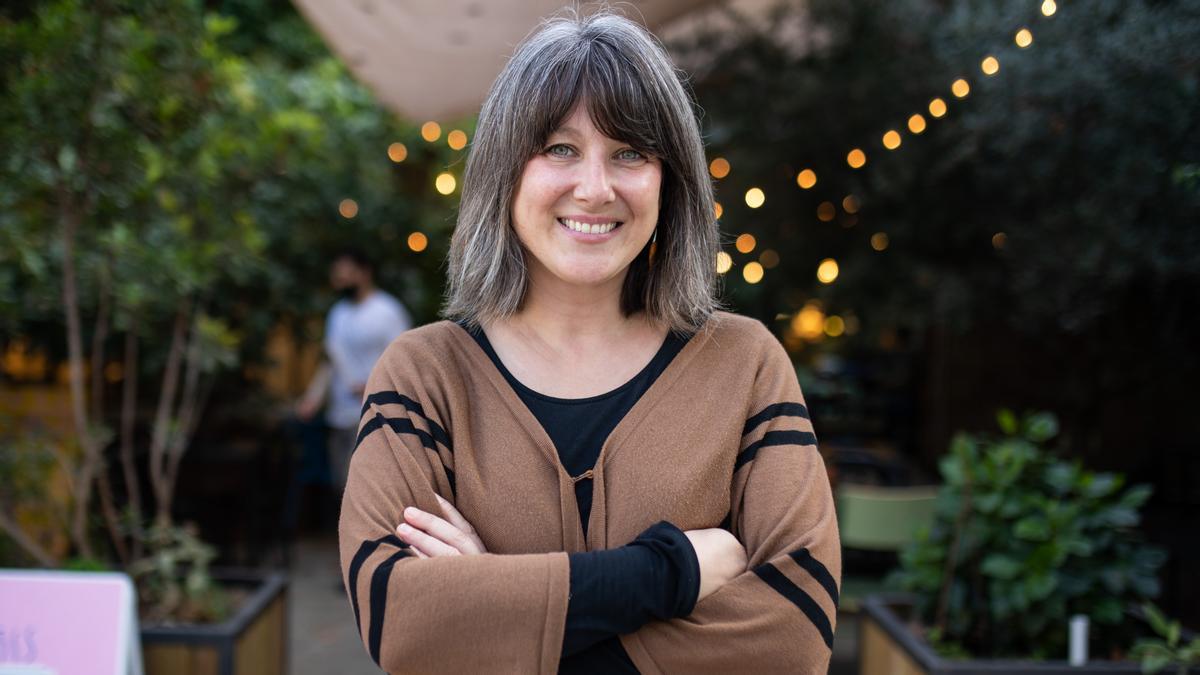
<point x="253" y="641"/>
<point x="887" y="646"/>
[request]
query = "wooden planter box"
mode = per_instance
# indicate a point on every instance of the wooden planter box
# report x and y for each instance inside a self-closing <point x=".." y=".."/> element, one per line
<point x="888" y="646"/>
<point x="253" y="641"/>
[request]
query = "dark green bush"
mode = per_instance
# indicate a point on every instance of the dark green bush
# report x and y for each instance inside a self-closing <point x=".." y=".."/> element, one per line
<point x="1021" y="541"/>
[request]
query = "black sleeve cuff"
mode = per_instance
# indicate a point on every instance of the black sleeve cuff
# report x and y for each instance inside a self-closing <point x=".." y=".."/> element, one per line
<point x="617" y="591"/>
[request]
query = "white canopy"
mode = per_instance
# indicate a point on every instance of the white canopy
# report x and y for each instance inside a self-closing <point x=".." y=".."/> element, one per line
<point x="435" y="59"/>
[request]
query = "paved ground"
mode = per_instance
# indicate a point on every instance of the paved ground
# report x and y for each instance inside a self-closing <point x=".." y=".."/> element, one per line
<point x="324" y="641"/>
<point x="323" y="638"/>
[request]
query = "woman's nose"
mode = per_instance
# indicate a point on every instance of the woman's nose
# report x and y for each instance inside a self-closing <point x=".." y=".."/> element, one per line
<point x="594" y="185"/>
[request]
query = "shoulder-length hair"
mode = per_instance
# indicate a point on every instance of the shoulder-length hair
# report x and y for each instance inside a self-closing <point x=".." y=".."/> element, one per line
<point x="633" y="94"/>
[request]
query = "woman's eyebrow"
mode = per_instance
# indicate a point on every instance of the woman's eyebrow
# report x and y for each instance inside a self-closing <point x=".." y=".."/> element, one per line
<point x="566" y="131"/>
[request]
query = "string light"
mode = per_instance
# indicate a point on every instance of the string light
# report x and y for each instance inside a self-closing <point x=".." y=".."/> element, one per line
<point x="348" y="208"/>
<point x="457" y="139"/>
<point x="724" y="262"/>
<point x="826" y="211"/>
<point x="916" y="124"/>
<point x="806" y="179"/>
<point x="431" y="131"/>
<point x="879" y="241"/>
<point x="745" y="243"/>
<point x="856" y="158"/>
<point x="1023" y="38"/>
<point x="445" y="183"/>
<point x="960" y="88"/>
<point x="397" y="152"/>
<point x="752" y="272"/>
<point x="809" y="322"/>
<point x="719" y="167"/>
<point x="891" y="139"/>
<point x="990" y="65"/>
<point x="1049" y="7"/>
<point x="999" y="240"/>
<point x="937" y="107"/>
<point x="755" y="198"/>
<point x="827" y="271"/>
<point x="717" y="210"/>
<point x="834" y="325"/>
<point x="417" y="242"/>
<point x="850" y="204"/>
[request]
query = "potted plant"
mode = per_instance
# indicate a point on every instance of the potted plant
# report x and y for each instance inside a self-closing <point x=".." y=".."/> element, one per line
<point x="1021" y="542"/>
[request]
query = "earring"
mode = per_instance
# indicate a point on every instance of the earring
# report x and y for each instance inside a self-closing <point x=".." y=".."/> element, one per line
<point x="653" y="246"/>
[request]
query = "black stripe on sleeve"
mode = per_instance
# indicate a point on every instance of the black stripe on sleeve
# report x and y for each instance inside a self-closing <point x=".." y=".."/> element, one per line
<point x="404" y="426"/>
<point x="776" y="410"/>
<point x="379" y="586"/>
<point x="398" y="425"/>
<point x="773" y="438"/>
<point x="818" y="571"/>
<point x="384" y="397"/>
<point x="784" y="586"/>
<point x="364" y="551"/>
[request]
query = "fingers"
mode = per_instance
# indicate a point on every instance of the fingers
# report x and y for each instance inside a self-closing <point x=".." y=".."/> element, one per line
<point x="426" y="526"/>
<point x="456" y="519"/>
<point x="425" y="545"/>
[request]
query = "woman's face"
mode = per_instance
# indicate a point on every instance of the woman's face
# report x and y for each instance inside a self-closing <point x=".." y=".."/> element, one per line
<point x="586" y="204"/>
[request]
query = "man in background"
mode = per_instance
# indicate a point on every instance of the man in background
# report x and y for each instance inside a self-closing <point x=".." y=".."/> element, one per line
<point x="361" y="324"/>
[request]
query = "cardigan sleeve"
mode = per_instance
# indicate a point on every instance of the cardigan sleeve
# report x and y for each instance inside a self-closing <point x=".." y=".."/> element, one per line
<point x="779" y="615"/>
<point x="479" y="613"/>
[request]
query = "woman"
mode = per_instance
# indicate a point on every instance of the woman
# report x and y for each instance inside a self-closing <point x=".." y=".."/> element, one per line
<point x="588" y="465"/>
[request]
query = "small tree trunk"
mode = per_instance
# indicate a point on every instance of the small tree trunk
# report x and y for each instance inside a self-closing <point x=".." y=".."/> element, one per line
<point x="69" y="218"/>
<point x="190" y="404"/>
<point x="23" y="540"/>
<point x="128" y="417"/>
<point x="160" y="440"/>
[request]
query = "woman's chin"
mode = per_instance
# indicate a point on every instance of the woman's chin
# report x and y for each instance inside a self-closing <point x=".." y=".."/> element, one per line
<point x="587" y="275"/>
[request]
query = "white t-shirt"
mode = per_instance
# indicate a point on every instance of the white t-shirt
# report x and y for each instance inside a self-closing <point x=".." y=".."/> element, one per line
<point x="356" y="333"/>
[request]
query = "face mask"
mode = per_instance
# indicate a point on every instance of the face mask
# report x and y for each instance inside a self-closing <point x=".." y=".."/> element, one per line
<point x="348" y="292"/>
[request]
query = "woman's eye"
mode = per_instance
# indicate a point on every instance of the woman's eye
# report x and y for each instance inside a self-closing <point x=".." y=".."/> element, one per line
<point x="629" y="155"/>
<point x="559" y="150"/>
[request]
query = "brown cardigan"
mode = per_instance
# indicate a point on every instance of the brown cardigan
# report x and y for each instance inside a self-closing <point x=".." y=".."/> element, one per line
<point x="723" y="432"/>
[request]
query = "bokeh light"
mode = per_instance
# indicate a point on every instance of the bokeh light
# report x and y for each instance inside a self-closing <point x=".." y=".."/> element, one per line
<point x="745" y="243"/>
<point x="724" y="262"/>
<point x="806" y="178"/>
<point x="755" y="197"/>
<point x="417" y="241"/>
<point x="445" y="183"/>
<point x="752" y="272"/>
<point x="719" y="167"/>
<point x="827" y="271"/>
<point x="397" y="152"/>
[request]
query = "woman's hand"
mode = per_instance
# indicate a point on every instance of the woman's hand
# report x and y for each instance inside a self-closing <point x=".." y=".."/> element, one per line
<point x="722" y="557"/>
<point x="432" y="537"/>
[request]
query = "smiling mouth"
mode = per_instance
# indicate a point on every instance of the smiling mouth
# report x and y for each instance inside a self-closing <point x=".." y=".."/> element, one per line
<point x="589" y="228"/>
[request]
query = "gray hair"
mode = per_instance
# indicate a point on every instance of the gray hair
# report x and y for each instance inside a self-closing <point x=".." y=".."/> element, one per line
<point x="633" y="94"/>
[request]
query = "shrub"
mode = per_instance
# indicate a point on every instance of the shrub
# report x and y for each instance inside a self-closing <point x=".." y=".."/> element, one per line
<point x="1022" y="540"/>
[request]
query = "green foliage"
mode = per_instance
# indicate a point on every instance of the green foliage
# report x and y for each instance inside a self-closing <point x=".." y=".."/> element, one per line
<point x="1082" y="150"/>
<point x="173" y="579"/>
<point x="1021" y="541"/>
<point x="1168" y="649"/>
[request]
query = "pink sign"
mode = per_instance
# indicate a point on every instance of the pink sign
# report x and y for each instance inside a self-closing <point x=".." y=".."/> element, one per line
<point x="67" y="623"/>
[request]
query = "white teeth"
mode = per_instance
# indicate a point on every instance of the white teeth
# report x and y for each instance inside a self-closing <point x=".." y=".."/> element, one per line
<point x="588" y="228"/>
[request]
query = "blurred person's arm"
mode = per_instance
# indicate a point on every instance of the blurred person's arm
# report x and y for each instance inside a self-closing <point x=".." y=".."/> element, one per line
<point x="314" y="396"/>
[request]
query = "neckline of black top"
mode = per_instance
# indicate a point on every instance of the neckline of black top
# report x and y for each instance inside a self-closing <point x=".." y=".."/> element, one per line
<point x="665" y="352"/>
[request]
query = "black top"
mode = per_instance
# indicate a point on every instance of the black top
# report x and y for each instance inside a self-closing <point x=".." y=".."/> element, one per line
<point x="657" y="576"/>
